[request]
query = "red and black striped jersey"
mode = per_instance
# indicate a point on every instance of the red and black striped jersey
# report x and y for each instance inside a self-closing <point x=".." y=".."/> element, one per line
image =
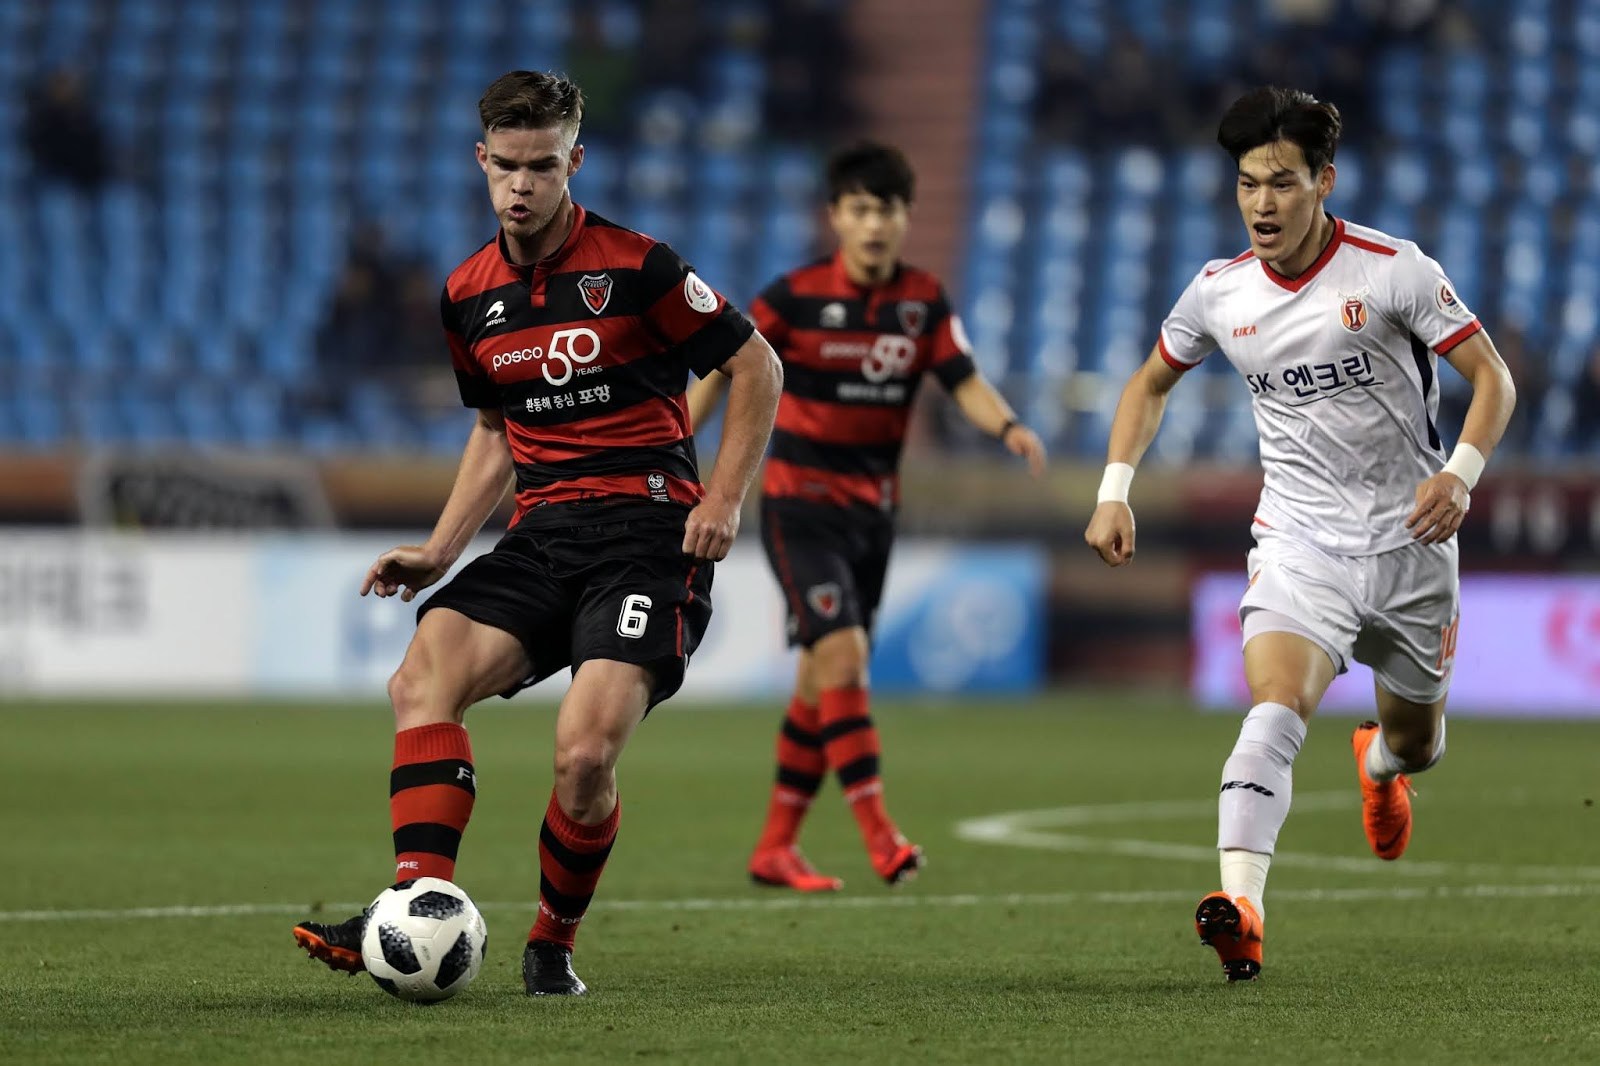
<point x="588" y="353"/>
<point x="852" y="360"/>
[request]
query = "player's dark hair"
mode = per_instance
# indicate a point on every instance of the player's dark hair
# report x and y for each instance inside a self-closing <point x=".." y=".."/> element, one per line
<point x="872" y="168"/>
<point x="1269" y="114"/>
<point x="531" y="100"/>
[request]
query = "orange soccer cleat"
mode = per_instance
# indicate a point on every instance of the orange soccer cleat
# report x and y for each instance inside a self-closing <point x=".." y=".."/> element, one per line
<point x="787" y="868"/>
<point x="1385" y="805"/>
<point x="1233" y="927"/>
<point x="897" y="860"/>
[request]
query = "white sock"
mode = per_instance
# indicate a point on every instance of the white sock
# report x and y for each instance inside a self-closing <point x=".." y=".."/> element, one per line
<point x="1385" y="765"/>
<point x="1244" y="873"/>
<point x="1256" y="780"/>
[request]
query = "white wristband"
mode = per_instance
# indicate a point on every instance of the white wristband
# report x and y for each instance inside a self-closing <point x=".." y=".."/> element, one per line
<point x="1114" y="486"/>
<point x="1466" y="463"/>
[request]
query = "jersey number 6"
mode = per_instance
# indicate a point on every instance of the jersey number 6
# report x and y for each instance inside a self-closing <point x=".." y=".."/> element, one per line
<point x="633" y="619"/>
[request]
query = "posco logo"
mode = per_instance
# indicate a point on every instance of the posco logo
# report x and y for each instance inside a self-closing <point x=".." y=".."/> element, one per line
<point x="568" y="348"/>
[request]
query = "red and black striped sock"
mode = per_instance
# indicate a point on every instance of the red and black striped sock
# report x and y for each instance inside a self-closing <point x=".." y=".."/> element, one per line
<point x="801" y="765"/>
<point x="571" y="858"/>
<point x="431" y="789"/>
<point x="850" y="742"/>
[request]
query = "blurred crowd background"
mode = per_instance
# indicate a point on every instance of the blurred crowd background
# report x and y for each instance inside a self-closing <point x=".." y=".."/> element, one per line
<point x="226" y="223"/>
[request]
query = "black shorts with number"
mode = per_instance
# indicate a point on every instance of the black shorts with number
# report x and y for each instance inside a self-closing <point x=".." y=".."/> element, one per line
<point x="830" y="563"/>
<point x="618" y="586"/>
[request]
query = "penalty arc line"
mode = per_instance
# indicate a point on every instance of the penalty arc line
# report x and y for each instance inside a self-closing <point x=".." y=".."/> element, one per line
<point x="827" y="903"/>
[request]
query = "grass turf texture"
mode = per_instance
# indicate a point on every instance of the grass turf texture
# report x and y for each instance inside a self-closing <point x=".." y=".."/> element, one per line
<point x="157" y="806"/>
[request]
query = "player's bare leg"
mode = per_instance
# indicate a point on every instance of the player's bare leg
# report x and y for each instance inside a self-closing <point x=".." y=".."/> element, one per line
<point x="1288" y="675"/>
<point x="606" y="702"/>
<point x="452" y="663"/>
<point x="1407" y="738"/>
<point x="850" y="742"/>
<point x="777" y="861"/>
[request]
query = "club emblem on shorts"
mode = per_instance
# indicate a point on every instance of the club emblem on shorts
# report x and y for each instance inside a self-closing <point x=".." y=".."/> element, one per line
<point x="825" y="599"/>
<point x="1354" y="314"/>
<point x="596" y="290"/>
<point x="913" y="315"/>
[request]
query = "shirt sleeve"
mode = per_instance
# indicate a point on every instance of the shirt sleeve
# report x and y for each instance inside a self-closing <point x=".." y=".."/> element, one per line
<point x="1185" y="339"/>
<point x="1426" y="304"/>
<point x="477" y="388"/>
<point x="771" y="311"/>
<point x="688" y="314"/>
<point x="951" y="361"/>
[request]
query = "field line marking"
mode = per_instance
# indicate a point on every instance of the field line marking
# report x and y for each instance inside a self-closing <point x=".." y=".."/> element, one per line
<point x="796" y="902"/>
<point x="1039" y="830"/>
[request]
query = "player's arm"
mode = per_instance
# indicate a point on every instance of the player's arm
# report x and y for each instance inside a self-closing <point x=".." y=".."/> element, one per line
<point x="1133" y="427"/>
<point x="755" y="381"/>
<point x="704" y="395"/>
<point x="986" y="409"/>
<point x="1443" y="499"/>
<point x="481" y="482"/>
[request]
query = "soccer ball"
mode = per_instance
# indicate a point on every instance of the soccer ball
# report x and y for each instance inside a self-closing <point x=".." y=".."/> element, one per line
<point x="424" y="940"/>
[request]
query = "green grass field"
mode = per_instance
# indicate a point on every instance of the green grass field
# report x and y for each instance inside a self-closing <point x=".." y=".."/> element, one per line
<point x="1481" y="946"/>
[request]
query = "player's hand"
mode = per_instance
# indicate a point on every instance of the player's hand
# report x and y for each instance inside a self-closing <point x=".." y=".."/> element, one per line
<point x="710" y="529"/>
<point x="1442" y="505"/>
<point x="1110" y="533"/>
<point x="406" y="570"/>
<point x="1020" y="440"/>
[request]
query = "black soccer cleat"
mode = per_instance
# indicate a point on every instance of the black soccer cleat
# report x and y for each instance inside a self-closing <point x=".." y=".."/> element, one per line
<point x="337" y="944"/>
<point x="547" y="970"/>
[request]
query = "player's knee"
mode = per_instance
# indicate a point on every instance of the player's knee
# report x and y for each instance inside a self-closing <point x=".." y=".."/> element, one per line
<point x="1287" y="694"/>
<point x="414" y="694"/>
<point x="585" y="766"/>
<point x="839" y="660"/>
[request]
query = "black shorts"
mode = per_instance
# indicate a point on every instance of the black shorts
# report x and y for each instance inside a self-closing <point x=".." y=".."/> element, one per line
<point x="830" y="563"/>
<point x="617" y="587"/>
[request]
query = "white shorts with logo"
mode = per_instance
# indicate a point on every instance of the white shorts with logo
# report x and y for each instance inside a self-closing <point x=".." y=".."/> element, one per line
<point x="1396" y="612"/>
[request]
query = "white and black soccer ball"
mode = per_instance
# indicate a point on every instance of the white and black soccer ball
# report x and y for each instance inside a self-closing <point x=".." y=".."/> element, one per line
<point x="424" y="940"/>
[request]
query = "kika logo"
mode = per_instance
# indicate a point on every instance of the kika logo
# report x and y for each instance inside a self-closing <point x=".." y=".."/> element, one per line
<point x="596" y="291"/>
<point x="496" y="313"/>
<point x="1244" y="331"/>
<point x="1249" y="786"/>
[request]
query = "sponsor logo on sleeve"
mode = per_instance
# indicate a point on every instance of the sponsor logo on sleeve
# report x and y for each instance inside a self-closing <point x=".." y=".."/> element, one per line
<point x="1445" y="297"/>
<point x="699" y="294"/>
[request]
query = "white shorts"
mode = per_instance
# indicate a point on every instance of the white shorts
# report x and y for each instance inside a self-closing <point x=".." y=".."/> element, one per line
<point x="1396" y="612"/>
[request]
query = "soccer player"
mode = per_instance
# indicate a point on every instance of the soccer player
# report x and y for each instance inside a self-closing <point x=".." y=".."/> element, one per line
<point x="857" y="332"/>
<point x="573" y="339"/>
<point x="1337" y="330"/>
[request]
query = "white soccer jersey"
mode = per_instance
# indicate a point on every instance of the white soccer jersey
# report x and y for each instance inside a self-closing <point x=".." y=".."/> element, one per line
<point x="1341" y="363"/>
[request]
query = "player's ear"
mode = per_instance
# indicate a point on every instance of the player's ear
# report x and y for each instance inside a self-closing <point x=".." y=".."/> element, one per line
<point x="574" y="160"/>
<point x="1325" y="181"/>
<point x="483" y="157"/>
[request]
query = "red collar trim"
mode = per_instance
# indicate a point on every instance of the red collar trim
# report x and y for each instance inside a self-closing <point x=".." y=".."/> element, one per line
<point x="842" y="280"/>
<point x="573" y="235"/>
<point x="1297" y="283"/>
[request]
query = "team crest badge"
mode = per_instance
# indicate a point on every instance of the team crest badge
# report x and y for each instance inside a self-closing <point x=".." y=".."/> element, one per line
<point x="913" y="316"/>
<point x="1354" y="314"/>
<point x="1447" y="301"/>
<point x="825" y="599"/>
<point x="596" y="290"/>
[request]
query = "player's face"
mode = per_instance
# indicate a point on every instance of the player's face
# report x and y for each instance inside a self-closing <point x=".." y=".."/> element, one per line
<point x="870" y="231"/>
<point x="528" y="172"/>
<point x="1281" y="201"/>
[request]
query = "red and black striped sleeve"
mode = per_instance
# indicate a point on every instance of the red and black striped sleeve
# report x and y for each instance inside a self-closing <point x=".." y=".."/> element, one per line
<point x="951" y="361"/>
<point x="477" y="390"/>
<point x="688" y="314"/>
<point x="771" y="313"/>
